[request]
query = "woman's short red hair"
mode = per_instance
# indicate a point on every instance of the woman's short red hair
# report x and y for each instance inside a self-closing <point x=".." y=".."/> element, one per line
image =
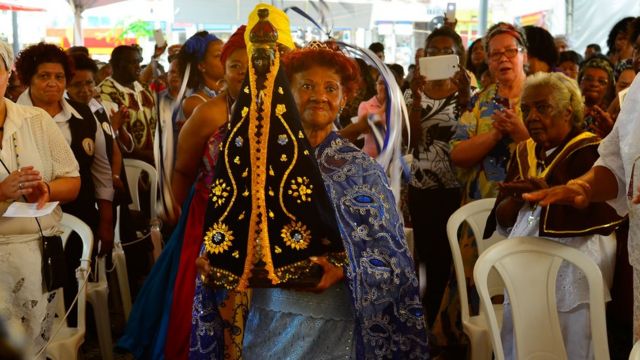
<point x="330" y="57"/>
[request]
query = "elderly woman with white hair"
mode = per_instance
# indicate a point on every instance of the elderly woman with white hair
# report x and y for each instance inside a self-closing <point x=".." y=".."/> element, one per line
<point x="558" y="151"/>
<point x="37" y="166"/>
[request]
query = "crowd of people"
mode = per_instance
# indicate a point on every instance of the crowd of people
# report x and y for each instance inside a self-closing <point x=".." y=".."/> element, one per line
<point x="285" y="239"/>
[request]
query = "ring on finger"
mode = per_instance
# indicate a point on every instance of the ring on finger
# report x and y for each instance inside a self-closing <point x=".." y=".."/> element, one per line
<point x="20" y="186"/>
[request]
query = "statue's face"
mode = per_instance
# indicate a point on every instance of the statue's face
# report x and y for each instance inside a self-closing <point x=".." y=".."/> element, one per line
<point x="262" y="58"/>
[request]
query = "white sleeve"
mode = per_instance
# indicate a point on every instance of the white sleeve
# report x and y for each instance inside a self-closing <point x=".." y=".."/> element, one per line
<point x="611" y="158"/>
<point x="101" y="168"/>
<point x="63" y="162"/>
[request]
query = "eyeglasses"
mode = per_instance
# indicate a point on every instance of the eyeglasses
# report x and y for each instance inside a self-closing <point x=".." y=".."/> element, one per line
<point x="509" y="53"/>
<point x="436" y="51"/>
<point x="600" y="81"/>
<point x="542" y="108"/>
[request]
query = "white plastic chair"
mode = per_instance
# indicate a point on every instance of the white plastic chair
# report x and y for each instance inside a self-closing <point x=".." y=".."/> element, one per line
<point x="67" y="341"/>
<point x="635" y="352"/>
<point x="475" y="214"/>
<point x="120" y="263"/>
<point x="134" y="169"/>
<point x="529" y="267"/>
<point x="98" y="297"/>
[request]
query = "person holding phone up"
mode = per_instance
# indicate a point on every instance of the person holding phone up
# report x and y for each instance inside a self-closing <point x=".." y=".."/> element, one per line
<point x="435" y="106"/>
<point x="488" y="132"/>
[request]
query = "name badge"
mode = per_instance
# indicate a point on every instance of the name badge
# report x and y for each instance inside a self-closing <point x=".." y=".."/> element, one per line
<point x="89" y="146"/>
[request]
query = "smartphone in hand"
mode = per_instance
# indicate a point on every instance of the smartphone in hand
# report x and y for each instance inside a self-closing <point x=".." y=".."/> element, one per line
<point x="439" y="67"/>
<point x="159" y="38"/>
<point x="451" y="12"/>
<point x="502" y="103"/>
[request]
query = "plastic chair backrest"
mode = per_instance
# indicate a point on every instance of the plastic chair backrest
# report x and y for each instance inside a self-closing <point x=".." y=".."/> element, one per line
<point x="134" y="168"/>
<point x="475" y="214"/>
<point x="635" y="352"/>
<point x="69" y="224"/>
<point x="529" y="267"/>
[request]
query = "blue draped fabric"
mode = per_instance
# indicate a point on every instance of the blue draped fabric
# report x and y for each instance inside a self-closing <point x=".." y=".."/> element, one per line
<point x="146" y="331"/>
<point x="383" y="287"/>
<point x="207" y="335"/>
<point x="380" y="274"/>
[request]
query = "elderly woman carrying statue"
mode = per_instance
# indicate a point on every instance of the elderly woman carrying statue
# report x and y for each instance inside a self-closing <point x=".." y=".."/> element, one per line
<point x="304" y="219"/>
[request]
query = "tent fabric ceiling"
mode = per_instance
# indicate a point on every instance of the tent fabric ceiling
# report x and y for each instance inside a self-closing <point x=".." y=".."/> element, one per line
<point x="592" y="21"/>
<point x="233" y="12"/>
<point x="88" y="4"/>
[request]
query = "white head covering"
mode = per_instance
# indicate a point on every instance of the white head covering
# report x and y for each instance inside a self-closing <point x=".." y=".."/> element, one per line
<point x="6" y="53"/>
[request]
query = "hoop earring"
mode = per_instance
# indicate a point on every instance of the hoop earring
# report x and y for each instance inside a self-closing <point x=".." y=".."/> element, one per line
<point x="221" y="85"/>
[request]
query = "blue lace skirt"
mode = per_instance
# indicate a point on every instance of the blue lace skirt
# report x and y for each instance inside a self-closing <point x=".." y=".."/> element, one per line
<point x="289" y="324"/>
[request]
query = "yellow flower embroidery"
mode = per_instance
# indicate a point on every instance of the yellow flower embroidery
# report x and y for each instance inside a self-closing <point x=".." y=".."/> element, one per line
<point x="296" y="235"/>
<point x="278" y="250"/>
<point x="237" y="160"/>
<point x="280" y="90"/>
<point x="280" y="109"/>
<point x="219" y="192"/>
<point x="245" y="110"/>
<point x="218" y="238"/>
<point x="283" y="157"/>
<point x="301" y="189"/>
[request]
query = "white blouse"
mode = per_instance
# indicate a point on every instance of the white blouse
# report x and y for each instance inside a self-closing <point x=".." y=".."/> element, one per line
<point x="619" y="151"/>
<point x="31" y="138"/>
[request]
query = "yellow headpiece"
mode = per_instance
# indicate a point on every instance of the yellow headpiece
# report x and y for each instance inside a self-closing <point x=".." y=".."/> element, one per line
<point x="278" y="19"/>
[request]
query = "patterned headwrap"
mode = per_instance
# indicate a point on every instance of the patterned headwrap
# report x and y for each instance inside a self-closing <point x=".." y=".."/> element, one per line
<point x="197" y="45"/>
<point x="268" y="211"/>
<point x="278" y="19"/>
<point x="504" y="28"/>
<point x="6" y="53"/>
<point x="235" y="42"/>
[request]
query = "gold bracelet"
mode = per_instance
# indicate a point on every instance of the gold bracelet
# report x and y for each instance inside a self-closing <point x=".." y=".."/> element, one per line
<point x="585" y="186"/>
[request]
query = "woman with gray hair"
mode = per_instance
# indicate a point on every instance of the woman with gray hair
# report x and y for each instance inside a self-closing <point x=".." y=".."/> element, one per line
<point x="36" y="166"/>
<point x="558" y="150"/>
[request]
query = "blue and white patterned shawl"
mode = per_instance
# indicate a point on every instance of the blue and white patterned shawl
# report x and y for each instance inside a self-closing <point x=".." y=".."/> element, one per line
<point x="380" y="273"/>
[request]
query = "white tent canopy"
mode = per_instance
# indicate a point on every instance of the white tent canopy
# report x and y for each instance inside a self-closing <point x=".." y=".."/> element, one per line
<point x="78" y="6"/>
<point x="591" y="21"/>
<point x="344" y="14"/>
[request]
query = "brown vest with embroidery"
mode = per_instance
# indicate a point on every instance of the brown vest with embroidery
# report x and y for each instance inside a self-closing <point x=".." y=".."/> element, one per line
<point x="564" y="220"/>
